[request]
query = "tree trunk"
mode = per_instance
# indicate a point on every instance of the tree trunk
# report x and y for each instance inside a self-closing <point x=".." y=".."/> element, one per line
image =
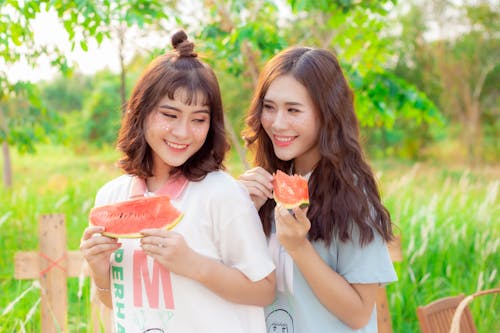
<point x="236" y="143"/>
<point x="252" y="69"/>
<point x="7" y="166"/>
<point x="251" y="62"/>
<point x="473" y="132"/>
<point x="123" y="73"/>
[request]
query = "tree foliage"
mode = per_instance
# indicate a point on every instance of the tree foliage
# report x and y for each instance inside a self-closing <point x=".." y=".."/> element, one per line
<point x="239" y="36"/>
<point x="456" y="70"/>
<point x="354" y="30"/>
<point x="84" y="21"/>
<point x="102" y="110"/>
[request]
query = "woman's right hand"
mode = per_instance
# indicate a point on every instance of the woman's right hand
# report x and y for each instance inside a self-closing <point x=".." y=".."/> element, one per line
<point x="258" y="182"/>
<point x="96" y="250"/>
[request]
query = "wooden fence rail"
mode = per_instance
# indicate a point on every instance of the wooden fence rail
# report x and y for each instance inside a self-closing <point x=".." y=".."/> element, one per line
<point x="52" y="264"/>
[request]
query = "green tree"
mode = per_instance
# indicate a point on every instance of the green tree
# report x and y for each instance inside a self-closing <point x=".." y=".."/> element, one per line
<point x="464" y="64"/>
<point x="84" y="21"/>
<point x="24" y="120"/>
<point x="456" y="64"/>
<point x="353" y="29"/>
<point x="128" y="23"/>
<point x="21" y="128"/>
<point x="101" y="112"/>
<point x="66" y="93"/>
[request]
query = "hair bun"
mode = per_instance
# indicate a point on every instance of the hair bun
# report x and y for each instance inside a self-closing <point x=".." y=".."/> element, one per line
<point x="182" y="45"/>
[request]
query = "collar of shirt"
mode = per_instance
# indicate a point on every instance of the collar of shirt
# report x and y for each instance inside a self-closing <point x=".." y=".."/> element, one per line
<point x="173" y="188"/>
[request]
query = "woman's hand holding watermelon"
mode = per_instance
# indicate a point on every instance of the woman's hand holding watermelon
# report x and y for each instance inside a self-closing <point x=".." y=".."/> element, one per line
<point x="96" y="250"/>
<point x="170" y="249"/>
<point x="292" y="229"/>
<point x="258" y="183"/>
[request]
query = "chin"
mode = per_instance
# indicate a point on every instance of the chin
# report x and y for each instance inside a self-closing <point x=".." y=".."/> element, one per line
<point x="285" y="157"/>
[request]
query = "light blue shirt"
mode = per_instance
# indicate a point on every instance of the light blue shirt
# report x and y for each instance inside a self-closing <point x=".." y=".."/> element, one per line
<point x="301" y="312"/>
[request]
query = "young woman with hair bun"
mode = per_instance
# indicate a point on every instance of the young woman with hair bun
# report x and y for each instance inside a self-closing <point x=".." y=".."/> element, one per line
<point x="212" y="273"/>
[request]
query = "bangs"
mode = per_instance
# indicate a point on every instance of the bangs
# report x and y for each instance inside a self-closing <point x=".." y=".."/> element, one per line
<point x="190" y="96"/>
<point x="191" y="86"/>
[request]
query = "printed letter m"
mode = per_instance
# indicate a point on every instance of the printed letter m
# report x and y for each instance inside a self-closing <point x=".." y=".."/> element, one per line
<point x="151" y="282"/>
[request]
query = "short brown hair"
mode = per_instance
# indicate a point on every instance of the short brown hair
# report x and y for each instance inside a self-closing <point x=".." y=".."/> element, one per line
<point x="178" y="69"/>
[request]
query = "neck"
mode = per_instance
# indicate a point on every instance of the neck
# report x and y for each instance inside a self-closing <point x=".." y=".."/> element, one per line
<point x="160" y="176"/>
<point x="303" y="168"/>
<point x="155" y="183"/>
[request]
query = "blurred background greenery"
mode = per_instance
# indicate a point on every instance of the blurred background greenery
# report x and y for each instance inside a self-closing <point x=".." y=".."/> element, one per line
<point x="426" y="76"/>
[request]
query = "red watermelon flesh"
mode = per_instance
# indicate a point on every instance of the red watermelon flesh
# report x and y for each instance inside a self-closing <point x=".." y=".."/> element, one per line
<point x="290" y="191"/>
<point x="125" y="219"/>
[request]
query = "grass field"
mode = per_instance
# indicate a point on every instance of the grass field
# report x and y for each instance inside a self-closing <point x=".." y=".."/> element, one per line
<point x="448" y="218"/>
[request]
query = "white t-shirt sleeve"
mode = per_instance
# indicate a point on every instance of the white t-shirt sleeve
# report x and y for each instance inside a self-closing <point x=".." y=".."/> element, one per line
<point x="238" y="232"/>
<point x="113" y="191"/>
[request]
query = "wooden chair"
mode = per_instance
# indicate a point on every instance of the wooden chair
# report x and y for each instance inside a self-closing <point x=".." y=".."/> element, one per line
<point x="384" y="323"/>
<point x="449" y="314"/>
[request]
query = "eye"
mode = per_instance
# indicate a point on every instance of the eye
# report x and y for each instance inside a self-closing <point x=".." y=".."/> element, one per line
<point x="267" y="107"/>
<point x="200" y="120"/>
<point x="292" y="110"/>
<point x="169" y="115"/>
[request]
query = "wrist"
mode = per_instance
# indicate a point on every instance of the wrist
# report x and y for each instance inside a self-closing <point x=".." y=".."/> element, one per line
<point x="101" y="282"/>
<point x="103" y="290"/>
<point x="299" y="249"/>
<point x="201" y="268"/>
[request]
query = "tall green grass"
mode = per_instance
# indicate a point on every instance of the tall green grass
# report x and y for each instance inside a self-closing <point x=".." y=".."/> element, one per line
<point x="449" y="222"/>
<point x="55" y="180"/>
<point x="448" y="218"/>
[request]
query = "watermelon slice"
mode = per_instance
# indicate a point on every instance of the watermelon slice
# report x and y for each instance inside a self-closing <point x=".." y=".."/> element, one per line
<point x="290" y="191"/>
<point x="125" y="219"/>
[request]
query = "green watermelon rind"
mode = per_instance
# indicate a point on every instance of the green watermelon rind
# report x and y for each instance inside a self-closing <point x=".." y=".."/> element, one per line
<point x="169" y="226"/>
<point x="302" y="204"/>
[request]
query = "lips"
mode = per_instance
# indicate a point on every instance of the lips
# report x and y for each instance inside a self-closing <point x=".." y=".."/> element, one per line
<point x="283" y="141"/>
<point x="176" y="146"/>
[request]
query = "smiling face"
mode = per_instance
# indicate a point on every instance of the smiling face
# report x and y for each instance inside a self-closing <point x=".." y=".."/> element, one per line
<point x="290" y="119"/>
<point x="176" y="130"/>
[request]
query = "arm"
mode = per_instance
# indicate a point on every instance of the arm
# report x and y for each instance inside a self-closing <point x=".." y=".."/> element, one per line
<point x="96" y="250"/>
<point x="225" y="281"/>
<point x="351" y="303"/>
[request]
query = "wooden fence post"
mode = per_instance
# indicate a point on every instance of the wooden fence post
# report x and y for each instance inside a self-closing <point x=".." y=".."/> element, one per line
<point x="52" y="265"/>
<point x="384" y="322"/>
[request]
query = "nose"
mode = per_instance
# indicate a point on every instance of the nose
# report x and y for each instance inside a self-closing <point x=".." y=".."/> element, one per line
<point x="280" y="120"/>
<point x="181" y="129"/>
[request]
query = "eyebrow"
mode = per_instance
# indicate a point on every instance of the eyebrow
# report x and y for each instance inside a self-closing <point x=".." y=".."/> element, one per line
<point x="170" y="107"/>
<point x="286" y="103"/>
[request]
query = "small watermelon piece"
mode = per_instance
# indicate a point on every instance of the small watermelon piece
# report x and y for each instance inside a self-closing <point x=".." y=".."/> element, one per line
<point x="290" y="191"/>
<point x="125" y="219"/>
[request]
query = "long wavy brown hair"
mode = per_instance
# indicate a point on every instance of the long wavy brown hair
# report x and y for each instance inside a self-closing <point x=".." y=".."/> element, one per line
<point x="177" y="69"/>
<point x="343" y="190"/>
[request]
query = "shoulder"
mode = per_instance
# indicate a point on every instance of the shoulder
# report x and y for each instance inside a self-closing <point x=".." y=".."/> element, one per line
<point x="220" y="181"/>
<point x="219" y="175"/>
<point x="222" y="186"/>
<point x="113" y="191"/>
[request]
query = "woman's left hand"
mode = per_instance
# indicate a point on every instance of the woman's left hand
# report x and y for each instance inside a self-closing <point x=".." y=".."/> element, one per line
<point x="170" y="249"/>
<point x="291" y="230"/>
